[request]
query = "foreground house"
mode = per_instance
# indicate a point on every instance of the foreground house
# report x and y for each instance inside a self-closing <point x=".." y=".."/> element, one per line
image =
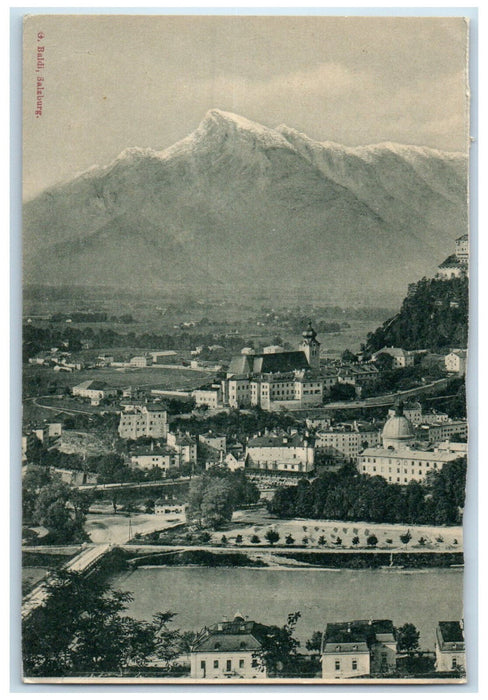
<point x="228" y="650"/>
<point x="280" y="453"/>
<point x="450" y="653"/>
<point x="358" y="649"/>
<point x="143" y="421"/>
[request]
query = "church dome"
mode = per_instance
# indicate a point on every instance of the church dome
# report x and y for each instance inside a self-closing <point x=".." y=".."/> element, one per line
<point x="398" y="428"/>
<point x="309" y="333"/>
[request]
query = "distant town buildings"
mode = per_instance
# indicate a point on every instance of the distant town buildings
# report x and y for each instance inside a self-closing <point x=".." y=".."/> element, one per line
<point x="358" y="649"/>
<point x="228" y="650"/>
<point x="95" y="390"/>
<point x="456" y="265"/>
<point x="401" y="357"/>
<point x="346" y="440"/>
<point x="143" y="421"/>
<point x="398" y="460"/>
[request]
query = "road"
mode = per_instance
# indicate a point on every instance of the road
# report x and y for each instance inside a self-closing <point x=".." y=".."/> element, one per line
<point x="384" y="400"/>
<point x="119" y="528"/>
<point x="133" y="485"/>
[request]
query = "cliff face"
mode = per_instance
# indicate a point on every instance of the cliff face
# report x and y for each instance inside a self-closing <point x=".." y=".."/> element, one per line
<point x="435" y="317"/>
<point x="236" y="203"/>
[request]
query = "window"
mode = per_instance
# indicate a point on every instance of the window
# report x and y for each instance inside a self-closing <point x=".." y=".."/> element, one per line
<point x="354" y="665"/>
<point x="337" y="665"/>
<point x="216" y="663"/>
<point x="202" y="664"/>
<point x="228" y="665"/>
<point x="241" y="663"/>
<point x="454" y="662"/>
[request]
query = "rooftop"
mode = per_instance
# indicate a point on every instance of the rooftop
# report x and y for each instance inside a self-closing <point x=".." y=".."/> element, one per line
<point x="360" y="632"/>
<point x="236" y="635"/>
<point x="277" y="441"/>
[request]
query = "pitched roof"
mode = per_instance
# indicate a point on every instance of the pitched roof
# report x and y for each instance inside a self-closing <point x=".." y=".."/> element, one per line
<point x="452" y="261"/>
<point x="277" y="441"/>
<point x="237" y="635"/>
<point x="268" y="363"/>
<point x="357" y="632"/>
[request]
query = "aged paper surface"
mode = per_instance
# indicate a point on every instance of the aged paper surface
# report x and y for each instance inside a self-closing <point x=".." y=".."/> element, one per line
<point x="245" y="324"/>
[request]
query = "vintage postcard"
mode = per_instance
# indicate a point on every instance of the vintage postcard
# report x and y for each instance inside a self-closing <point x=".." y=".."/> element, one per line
<point x="245" y="342"/>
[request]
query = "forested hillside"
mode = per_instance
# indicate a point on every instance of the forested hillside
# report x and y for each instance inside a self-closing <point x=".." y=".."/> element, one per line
<point x="435" y="317"/>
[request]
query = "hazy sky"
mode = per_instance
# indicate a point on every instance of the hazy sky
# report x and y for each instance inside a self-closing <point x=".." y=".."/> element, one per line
<point x="117" y="81"/>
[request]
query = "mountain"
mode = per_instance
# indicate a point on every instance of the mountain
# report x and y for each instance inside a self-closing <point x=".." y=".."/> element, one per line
<point x="434" y="317"/>
<point x="236" y="205"/>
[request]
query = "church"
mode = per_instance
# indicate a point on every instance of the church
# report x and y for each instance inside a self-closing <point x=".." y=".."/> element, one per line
<point x="398" y="460"/>
<point x="276" y="379"/>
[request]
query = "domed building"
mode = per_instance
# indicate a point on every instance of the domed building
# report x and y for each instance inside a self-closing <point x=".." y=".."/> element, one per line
<point x="398" y="432"/>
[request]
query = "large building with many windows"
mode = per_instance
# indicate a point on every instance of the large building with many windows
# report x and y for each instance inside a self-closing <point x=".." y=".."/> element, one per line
<point x="143" y="421"/>
<point x="358" y="649"/>
<point x="229" y="649"/>
<point x="280" y="453"/>
<point x="398" y="460"/>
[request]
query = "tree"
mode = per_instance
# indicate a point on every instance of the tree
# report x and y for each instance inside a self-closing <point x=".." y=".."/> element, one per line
<point x="278" y="651"/>
<point x="355" y="540"/>
<point x="272" y="536"/>
<point x="348" y="356"/>
<point x="315" y="642"/>
<point x="372" y="541"/>
<point x="80" y="629"/>
<point x="55" y="511"/>
<point x="343" y="391"/>
<point x="407" y="637"/>
<point x="406" y="537"/>
<point x="289" y="540"/>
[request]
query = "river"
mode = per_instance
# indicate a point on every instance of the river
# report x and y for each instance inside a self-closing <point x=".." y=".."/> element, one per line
<point x="203" y="596"/>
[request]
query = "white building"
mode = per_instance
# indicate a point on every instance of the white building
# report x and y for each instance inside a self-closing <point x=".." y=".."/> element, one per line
<point x="401" y="357"/>
<point x="462" y="247"/>
<point x="444" y="430"/>
<point x="163" y="458"/>
<point x="94" y="390"/>
<point x="346" y="441"/>
<point x="140" y="361"/>
<point x="456" y="360"/>
<point x="210" y="396"/>
<point x="185" y="445"/>
<point x="143" y="421"/>
<point x="411" y="410"/>
<point x="397" y="461"/>
<point x="228" y="649"/>
<point x="358" y="649"/>
<point x="280" y="453"/>
<point x="214" y="441"/>
<point x="450" y="653"/>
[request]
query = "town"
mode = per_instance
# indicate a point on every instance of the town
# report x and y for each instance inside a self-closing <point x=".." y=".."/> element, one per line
<point x="225" y="448"/>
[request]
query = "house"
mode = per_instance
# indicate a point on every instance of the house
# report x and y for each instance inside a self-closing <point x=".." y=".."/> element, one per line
<point x="443" y="430"/>
<point x="143" y="421"/>
<point x="412" y="410"/>
<point x="185" y="445"/>
<point x="401" y="357"/>
<point x="452" y="267"/>
<point x="233" y="463"/>
<point x="450" y="653"/>
<point x="280" y="453"/>
<point x="228" y="649"/>
<point x="358" y="649"/>
<point x="218" y="443"/>
<point x="209" y="395"/>
<point x="455" y="361"/>
<point x="462" y="248"/>
<point x="140" y="361"/>
<point x="94" y="390"/>
<point x="346" y="440"/>
<point x="161" y="356"/>
<point x="164" y="458"/>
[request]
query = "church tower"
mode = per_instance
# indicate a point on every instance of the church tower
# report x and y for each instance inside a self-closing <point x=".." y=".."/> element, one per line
<point x="311" y="346"/>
